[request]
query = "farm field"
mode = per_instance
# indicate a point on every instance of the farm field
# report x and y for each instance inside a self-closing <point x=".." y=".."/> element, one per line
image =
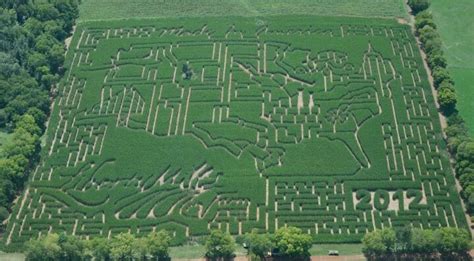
<point x="327" y="124"/>
<point x="121" y="9"/>
<point x="452" y="18"/>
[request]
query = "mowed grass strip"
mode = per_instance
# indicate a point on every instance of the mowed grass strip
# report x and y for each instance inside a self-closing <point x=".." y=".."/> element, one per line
<point x="125" y="9"/>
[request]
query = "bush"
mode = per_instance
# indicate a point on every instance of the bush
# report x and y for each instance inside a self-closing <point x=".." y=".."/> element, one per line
<point x="258" y="244"/>
<point x="452" y="240"/>
<point x="424" y="19"/>
<point x="441" y="75"/>
<point x="45" y="248"/>
<point x="418" y="5"/>
<point x="219" y="245"/>
<point x="292" y="243"/>
<point x="379" y="242"/>
<point x="427" y="243"/>
<point x="447" y="98"/>
<point x="437" y="61"/>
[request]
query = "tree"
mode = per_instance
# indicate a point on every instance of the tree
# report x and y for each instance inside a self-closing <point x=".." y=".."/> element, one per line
<point x="3" y="118"/>
<point x="418" y="5"/>
<point x="433" y="46"/>
<point x="71" y="247"/>
<point x="158" y="243"/>
<point x="39" y="117"/>
<point x="440" y="75"/>
<point x="372" y="244"/>
<point x="27" y="122"/>
<point x="422" y="21"/>
<point x="97" y="248"/>
<point x="379" y="242"/>
<point x="437" y="61"/>
<point x="8" y="65"/>
<point x="447" y="99"/>
<point x="451" y="240"/>
<point x="140" y="249"/>
<point x="219" y="245"/>
<point x="292" y="242"/>
<point x="45" y="12"/>
<point x="423" y="241"/>
<point x="403" y="242"/>
<point x="122" y="247"/>
<point x="3" y="214"/>
<point x="427" y="33"/>
<point x="258" y="244"/>
<point x="45" y="248"/>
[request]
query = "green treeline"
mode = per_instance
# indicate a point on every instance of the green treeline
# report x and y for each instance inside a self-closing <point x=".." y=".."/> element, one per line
<point x="32" y="35"/>
<point x="124" y="246"/>
<point x="460" y="144"/>
<point x="288" y="243"/>
<point x="417" y="244"/>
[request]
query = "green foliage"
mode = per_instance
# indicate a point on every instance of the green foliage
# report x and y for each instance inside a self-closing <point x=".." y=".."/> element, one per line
<point x="123" y="247"/>
<point x="447" y="241"/>
<point x="422" y="241"/>
<point x="437" y="61"/>
<point x="219" y="245"/>
<point x="258" y="244"/>
<point x="31" y="54"/>
<point x="447" y="98"/>
<point x="418" y="6"/>
<point x="45" y="248"/>
<point x="291" y="242"/>
<point x="72" y="248"/>
<point x="441" y="75"/>
<point x="158" y="243"/>
<point x="452" y="240"/>
<point x="98" y="248"/>
<point x="424" y="19"/>
<point x="379" y="242"/>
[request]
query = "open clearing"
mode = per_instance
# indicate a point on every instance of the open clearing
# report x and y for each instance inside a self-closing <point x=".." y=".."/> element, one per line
<point x="122" y="9"/>
<point x="327" y="124"/>
<point x="455" y="22"/>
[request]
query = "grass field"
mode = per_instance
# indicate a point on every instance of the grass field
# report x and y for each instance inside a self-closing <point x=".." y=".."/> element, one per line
<point x="323" y="123"/>
<point x="120" y="9"/>
<point x="454" y="20"/>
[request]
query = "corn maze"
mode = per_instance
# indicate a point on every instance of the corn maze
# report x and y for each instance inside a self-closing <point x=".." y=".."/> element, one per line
<point x="327" y="124"/>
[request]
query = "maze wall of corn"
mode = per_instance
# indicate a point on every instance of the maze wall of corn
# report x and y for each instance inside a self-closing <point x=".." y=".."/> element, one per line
<point x="327" y="124"/>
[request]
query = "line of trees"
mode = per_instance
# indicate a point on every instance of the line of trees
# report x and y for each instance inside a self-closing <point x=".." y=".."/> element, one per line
<point x="31" y="59"/>
<point x="460" y="144"/>
<point x="287" y="243"/>
<point x="124" y="246"/>
<point x="417" y="244"/>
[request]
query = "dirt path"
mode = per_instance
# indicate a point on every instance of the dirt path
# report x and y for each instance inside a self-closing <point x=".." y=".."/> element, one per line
<point x="68" y="40"/>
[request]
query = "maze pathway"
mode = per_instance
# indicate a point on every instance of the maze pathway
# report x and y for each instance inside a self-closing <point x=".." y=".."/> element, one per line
<point x="327" y="124"/>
